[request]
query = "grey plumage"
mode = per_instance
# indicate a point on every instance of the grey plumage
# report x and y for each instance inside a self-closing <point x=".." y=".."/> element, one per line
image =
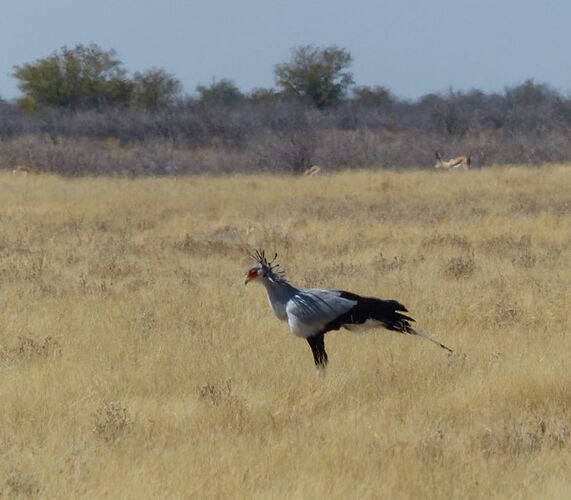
<point x="312" y="312"/>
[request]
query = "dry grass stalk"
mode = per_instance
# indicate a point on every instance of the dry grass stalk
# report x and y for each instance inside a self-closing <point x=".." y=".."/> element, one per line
<point x="136" y="364"/>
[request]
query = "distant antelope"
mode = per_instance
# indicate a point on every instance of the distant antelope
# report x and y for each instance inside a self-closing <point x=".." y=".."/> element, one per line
<point x="313" y="170"/>
<point x="23" y="170"/>
<point x="458" y="163"/>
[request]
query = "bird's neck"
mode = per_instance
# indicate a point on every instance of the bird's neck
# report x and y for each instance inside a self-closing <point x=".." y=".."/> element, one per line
<point x="279" y="292"/>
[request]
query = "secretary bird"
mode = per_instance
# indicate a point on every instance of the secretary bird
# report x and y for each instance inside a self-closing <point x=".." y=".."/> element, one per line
<point x="312" y="312"/>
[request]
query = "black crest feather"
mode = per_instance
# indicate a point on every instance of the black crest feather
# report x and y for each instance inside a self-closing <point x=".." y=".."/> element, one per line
<point x="269" y="267"/>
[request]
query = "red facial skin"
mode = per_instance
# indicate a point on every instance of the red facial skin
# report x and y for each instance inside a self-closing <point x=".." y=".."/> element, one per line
<point x="252" y="275"/>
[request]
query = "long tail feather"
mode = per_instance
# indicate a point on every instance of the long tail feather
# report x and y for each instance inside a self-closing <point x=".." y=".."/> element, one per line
<point x="429" y="338"/>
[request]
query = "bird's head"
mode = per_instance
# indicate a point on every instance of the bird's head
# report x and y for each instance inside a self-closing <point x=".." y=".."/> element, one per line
<point x="264" y="269"/>
<point x="252" y="274"/>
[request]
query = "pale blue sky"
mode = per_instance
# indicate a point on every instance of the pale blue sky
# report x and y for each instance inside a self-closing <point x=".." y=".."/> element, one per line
<point x="411" y="46"/>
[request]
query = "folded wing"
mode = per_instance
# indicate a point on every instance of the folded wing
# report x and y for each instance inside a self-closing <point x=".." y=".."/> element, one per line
<point x="310" y="310"/>
<point x="372" y="312"/>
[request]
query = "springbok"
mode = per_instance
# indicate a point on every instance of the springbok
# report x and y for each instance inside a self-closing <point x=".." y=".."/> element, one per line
<point x="23" y="170"/>
<point x="458" y="163"/>
<point x="313" y="170"/>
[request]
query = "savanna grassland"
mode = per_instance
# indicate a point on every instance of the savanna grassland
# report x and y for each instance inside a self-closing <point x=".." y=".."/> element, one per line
<point x="134" y="363"/>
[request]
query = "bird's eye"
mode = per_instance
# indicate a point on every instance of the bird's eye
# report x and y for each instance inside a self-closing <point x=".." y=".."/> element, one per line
<point x="252" y="273"/>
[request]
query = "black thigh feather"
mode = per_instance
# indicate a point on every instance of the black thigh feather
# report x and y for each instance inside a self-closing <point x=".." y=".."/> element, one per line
<point x="387" y="312"/>
<point x="317" y="345"/>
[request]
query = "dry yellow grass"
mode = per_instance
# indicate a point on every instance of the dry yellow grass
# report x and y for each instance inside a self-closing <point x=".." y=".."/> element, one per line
<point x="135" y="364"/>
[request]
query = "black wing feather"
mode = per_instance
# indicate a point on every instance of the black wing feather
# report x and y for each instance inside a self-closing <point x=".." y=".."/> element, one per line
<point x="387" y="312"/>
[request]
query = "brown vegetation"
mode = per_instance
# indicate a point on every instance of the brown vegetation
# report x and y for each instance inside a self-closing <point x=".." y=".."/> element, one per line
<point x="224" y="130"/>
<point x="135" y="364"/>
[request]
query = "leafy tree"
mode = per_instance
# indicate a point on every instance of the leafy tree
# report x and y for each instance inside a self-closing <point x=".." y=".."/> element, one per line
<point x="85" y="77"/>
<point x="316" y="75"/>
<point x="155" y="89"/>
<point x="223" y="91"/>
<point x="373" y="95"/>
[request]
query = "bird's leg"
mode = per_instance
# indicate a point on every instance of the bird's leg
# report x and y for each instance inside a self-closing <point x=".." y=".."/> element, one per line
<point x="317" y="345"/>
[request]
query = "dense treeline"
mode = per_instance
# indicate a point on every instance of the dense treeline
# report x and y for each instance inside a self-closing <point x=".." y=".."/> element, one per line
<point x="96" y="120"/>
